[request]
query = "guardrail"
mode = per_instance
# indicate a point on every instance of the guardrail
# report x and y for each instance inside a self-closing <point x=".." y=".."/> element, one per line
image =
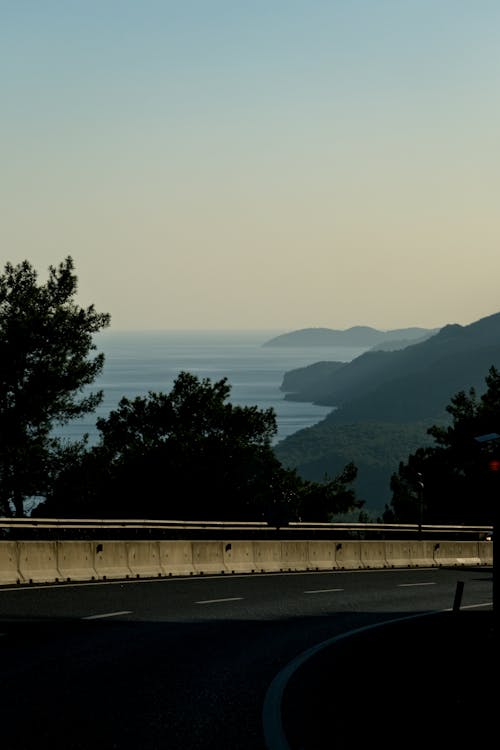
<point x="113" y="523"/>
<point x="121" y="523"/>
<point x="160" y="528"/>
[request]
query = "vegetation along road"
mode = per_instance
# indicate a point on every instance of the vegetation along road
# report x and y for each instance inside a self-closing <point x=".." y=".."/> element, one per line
<point x="188" y="663"/>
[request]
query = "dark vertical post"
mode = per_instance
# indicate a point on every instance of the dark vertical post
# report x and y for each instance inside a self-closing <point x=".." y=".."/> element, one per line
<point x="494" y="470"/>
<point x="496" y="563"/>
<point x="492" y="440"/>
<point x="458" y="596"/>
<point x="420" y="492"/>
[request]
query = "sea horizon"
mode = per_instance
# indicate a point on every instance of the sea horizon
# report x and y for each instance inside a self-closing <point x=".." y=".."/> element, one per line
<point x="141" y="361"/>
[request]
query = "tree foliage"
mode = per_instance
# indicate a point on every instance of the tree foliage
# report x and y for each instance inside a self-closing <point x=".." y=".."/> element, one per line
<point x="458" y="484"/>
<point x="319" y="501"/>
<point x="191" y="454"/>
<point x="186" y="454"/>
<point x="45" y="344"/>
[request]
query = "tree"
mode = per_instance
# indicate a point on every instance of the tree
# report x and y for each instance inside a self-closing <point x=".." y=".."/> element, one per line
<point x="321" y="500"/>
<point x="457" y="484"/>
<point x="45" y="344"/>
<point x="188" y="454"/>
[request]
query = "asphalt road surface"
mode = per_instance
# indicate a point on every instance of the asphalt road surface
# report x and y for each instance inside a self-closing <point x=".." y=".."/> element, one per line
<point x="187" y="663"/>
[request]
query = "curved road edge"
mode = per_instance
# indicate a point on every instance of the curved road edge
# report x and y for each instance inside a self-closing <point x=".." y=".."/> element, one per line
<point x="272" y="721"/>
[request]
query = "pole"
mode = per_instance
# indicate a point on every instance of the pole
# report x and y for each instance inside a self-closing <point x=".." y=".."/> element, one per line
<point x="496" y="563"/>
<point x="458" y="596"/>
<point x="420" y="491"/>
<point x="491" y="440"/>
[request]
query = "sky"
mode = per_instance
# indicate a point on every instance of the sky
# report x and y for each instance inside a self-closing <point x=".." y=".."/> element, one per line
<point x="256" y="164"/>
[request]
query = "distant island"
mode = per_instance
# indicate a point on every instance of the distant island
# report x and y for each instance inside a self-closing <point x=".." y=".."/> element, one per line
<point x="355" y="336"/>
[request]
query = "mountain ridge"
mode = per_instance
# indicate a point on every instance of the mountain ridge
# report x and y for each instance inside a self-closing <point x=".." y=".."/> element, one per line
<point x="383" y="402"/>
<point x="372" y="370"/>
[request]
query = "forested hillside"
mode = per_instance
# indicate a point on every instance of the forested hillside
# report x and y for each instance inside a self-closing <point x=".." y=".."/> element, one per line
<point x="376" y="448"/>
<point x="394" y="380"/>
<point x="384" y="402"/>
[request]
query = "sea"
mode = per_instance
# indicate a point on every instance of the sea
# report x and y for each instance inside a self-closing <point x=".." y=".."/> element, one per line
<point x="137" y="362"/>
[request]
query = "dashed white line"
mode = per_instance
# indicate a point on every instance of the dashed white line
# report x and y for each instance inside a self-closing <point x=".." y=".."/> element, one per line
<point x="107" y="614"/>
<point x="216" y="601"/>
<point x="321" y="591"/>
<point x="428" y="583"/>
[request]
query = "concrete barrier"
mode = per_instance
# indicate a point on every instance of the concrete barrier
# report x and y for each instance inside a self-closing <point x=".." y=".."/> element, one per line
<point x="9" y="564"/>
<point x="422" y="554"/>
<point x="45" y="562"/>
<point x="485" y="551"/>
<point x="111" y="560"/>
<point x="75" y="561"/>
<point x="144" y="559"/>
<point x="458" y="553"/>
<point x="398" y="554"/>
<point x="38" y="562"/>
<point x="176" y="558"/>
<point x="322" y="556"/>
<point x="348" y="555"/>
<point x="208" y="557"/>
<point x="373" y="555"/>
<point x="267" y="556"/>
<point x="239" y="557"/>
<point x="295" y="555"/>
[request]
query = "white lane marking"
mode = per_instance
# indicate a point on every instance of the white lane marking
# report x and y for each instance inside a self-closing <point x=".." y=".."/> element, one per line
<point x="428" y="583"/>
<point x="216" y="601"/>
<point x="198" y="577"/>
<point x="321" y="591"/>
<point x="108" y="614"/>
<point x="472" y="606"/>
<point x="274" y="733"/>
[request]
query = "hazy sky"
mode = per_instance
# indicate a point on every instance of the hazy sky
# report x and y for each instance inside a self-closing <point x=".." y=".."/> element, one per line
<point x="272" y="164"/>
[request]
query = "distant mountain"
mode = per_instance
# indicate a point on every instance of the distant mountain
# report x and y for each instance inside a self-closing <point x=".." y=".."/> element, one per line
<point x="355" y="336"/>
<point x="393" y="394"/>
<point x="411" y="383"/>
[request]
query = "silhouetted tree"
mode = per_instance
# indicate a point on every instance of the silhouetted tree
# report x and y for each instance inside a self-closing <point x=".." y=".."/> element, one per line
<point x="188" y="454"/>
<point x="320" y="500"/>
<point x="458" y="486"/>
<point x="45" y="343"/>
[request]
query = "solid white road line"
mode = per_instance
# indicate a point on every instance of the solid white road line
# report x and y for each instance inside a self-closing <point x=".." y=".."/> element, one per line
<point x="321" y="591"/>
<point x="216" y="601"/>
<point x="107" y="614"/>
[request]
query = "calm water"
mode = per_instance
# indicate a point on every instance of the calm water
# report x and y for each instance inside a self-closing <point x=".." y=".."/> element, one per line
<point x="138" y="362"/>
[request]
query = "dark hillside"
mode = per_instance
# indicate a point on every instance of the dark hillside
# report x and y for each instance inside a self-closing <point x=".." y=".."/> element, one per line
<point x="308" y="379"/>
<point x="333" y="387"/>
<point x="375" y="447"/>
<point x="368" y="372"/>
<point x="385" y="402"/>
<point x="421" y="394"/>
<point x="393" y="345"/>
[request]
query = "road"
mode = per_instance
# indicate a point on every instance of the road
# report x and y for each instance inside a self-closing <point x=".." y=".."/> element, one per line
<point x="184" y="663"/>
